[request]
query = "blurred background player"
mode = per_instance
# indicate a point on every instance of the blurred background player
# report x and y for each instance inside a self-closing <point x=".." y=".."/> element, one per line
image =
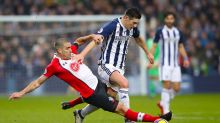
<point x="153" y="72"/>
<point x="171" y="42"/>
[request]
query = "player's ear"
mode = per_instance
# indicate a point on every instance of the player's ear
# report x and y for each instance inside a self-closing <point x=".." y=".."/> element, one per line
<point x="126" y="17"/>
<point x="59" y="50"/>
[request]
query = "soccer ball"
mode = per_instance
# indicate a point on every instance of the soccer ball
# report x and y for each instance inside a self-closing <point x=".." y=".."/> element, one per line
<point x="160" y="121"/>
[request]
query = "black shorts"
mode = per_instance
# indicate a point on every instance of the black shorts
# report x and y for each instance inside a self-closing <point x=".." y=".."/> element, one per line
<point x="101" y="99"/>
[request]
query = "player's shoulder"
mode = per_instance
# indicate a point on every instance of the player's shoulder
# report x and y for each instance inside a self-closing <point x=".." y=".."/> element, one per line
<point x="112" y="23"/>
<point x="115" y="21"/>
<point x="178" y="30"/>
<point x="159" y="30"/>
<point x="54" y="62"/>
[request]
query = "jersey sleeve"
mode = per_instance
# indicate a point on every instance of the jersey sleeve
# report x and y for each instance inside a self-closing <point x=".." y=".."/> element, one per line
<point x="182" y="38"/>
<point x="74" y="48"/>
<point x="157" y="35"/>
<point x="107" y="29"/>
<point x="136" y="32"/>
<point x="48" y="72"/>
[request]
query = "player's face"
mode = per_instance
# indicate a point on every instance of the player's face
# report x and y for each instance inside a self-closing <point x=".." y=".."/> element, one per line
<point x="169" y="20"/>
<point x="131" y="23"/>
<point x="66" y="50"/>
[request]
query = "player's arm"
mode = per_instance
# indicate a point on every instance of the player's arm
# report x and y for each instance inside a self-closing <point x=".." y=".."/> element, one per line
<point x="32" y="86"/>
<point x="84" y="39"/>
<point x="184" y="55"/>
<point x="141" y="43"/>
<point x="103" y="33"/>
<point x="183" y="51"/>
<point x="85" y="51"/>
<point x="154" y="46"/>
<point x="152" y="51"/>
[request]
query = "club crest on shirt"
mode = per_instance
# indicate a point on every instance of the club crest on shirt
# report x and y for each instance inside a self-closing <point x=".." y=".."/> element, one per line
<point x="100" y="30"/>
<point x="75" y="66"/>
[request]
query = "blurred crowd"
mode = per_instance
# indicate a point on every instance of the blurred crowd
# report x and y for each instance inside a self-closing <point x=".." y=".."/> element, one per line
<point x="26" y="48"/>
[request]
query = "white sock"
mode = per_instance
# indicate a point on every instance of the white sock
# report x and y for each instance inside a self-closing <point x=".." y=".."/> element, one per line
<point x="172" y="94"/>
<point x="165" y="100"/>
<point x="123" y="97"/>
<point x="88" y="109"/>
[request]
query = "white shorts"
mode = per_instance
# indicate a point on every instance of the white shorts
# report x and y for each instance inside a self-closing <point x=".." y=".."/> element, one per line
<point x="105" y="72"/>
<point x="168" y="73"/>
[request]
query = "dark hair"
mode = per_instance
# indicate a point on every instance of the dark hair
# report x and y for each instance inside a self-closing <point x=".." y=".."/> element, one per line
<point x="133" y="13"/>
<point x="169" y="13"/>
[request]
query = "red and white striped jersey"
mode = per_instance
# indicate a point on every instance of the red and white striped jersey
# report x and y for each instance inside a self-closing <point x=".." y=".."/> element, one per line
<point x="77" y="75"/>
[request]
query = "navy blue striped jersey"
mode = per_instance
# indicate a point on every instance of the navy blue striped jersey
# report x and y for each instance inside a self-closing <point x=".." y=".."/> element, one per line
<point x="115" y="44"/>
<point x="169" y="40"/>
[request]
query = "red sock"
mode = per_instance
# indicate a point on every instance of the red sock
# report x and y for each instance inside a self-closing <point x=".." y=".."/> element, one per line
<point x="137" y="116"/>
<point x="76" y="101"/>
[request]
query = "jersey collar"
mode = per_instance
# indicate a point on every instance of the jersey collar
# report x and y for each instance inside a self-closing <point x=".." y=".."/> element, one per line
<point x="170" y="29"/>
<point x="119" y="20"/>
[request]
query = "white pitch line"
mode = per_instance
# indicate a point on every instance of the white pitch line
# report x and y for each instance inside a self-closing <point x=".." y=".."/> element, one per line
<point x="196" y="113"/>
<point x="197" y="118"/>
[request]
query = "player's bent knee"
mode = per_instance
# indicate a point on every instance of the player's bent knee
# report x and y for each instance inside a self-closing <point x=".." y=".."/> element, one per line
<point x="167" y="84"/>
<point x="124" y="84"/>
<point x="177" y="89"/>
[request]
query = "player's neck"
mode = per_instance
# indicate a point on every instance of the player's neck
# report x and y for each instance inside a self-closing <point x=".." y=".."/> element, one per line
<point x="123" y="23"/>
<point x="62" y="57"/>
<point x="169" y="27"/>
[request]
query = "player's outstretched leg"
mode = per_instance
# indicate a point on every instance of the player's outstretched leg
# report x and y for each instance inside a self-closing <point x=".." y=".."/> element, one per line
<point x="138" y="116"/>
<point x="72" y="103"/>
<point x="78" y="117"/>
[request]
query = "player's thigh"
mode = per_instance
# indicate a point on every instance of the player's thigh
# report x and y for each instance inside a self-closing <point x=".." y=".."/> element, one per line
<point x="104" y="73"/>
<point x="100" y="99"/>
<point x="165" y="76"/>
<point x="165" y="73"/>
<point x="176" y="78"/>
<point x="176" y="75"/>
<point x="167" y="84"/>
<point x="119" y="79"/>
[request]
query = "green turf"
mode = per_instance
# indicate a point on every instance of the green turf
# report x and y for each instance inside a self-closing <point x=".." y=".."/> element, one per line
<point x="199" y="108"/>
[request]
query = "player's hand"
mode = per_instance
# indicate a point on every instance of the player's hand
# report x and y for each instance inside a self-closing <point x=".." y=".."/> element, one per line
<point x="16" y="95"/>
<point x="150" y="58"/>
<point x="149" y="66"/>
<point x="79" y="58"/>
<point x="98" y="38"/>
<point x="186" y="63"/>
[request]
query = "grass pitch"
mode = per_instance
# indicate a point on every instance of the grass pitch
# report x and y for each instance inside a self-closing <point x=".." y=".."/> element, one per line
<point x="196" y="108"/>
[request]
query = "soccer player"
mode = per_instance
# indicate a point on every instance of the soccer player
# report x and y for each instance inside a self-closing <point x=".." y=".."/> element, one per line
<point x="81" y="78"/>
<point x="170" y="40"/>
<point x="117" y="35"/>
